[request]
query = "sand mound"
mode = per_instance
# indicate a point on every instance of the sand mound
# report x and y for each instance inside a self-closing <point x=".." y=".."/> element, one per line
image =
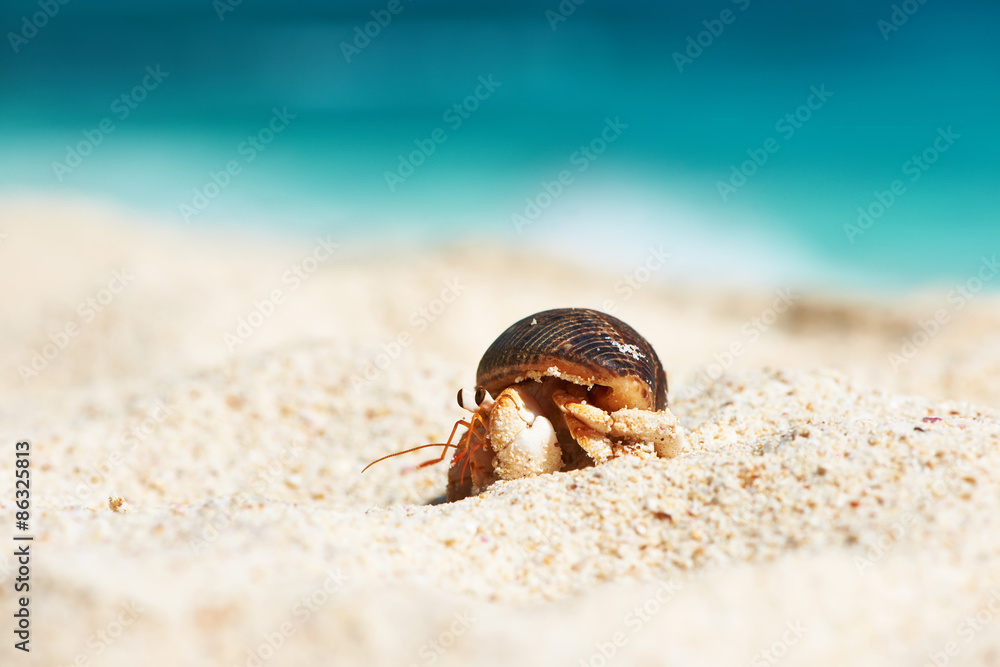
<point x="811" y="515"/>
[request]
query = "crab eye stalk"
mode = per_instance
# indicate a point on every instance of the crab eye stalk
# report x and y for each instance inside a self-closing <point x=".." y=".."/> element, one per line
<point x="468" y="399"/>
<point x="474" y="399"/>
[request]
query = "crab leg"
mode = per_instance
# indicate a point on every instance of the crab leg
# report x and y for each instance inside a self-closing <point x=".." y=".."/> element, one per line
<point x="471" y="464"/>
<point x="595" y="418"/>
<point x="595" y="443"/>
<point x="660" y="428"/>
<point x="447" y="444"/>
<point x="590" y="426"/>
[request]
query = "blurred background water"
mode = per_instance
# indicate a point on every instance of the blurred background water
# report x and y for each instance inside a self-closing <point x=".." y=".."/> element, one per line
<point x="698" y="154"/>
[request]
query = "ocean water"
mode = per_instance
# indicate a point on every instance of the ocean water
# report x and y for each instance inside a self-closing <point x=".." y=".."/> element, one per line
<point x="847" y="145"/>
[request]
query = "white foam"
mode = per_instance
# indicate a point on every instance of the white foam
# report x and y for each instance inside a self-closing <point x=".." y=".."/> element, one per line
<point x="618" y="228"/>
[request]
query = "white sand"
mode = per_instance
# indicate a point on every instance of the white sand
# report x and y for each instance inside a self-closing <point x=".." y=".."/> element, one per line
<point x="244" y="498"/>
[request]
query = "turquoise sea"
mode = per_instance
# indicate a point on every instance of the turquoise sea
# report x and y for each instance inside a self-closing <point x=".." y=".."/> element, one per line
<point x="847" y="145"/>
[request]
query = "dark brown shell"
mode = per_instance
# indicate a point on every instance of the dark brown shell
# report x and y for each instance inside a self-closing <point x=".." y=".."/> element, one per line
<point x="590" y="347"/>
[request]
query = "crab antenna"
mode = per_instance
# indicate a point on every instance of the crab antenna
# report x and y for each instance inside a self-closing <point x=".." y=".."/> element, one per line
<point x="407" y="451"/>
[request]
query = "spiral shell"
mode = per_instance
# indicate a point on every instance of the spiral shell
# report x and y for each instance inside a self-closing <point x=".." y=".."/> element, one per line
<point x="582" y="346"/>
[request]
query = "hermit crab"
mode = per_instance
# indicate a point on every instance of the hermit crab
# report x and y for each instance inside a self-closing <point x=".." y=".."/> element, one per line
<point x="559" y="390"/>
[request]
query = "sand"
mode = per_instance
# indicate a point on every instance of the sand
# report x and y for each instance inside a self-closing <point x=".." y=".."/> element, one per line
<point x="197" y="497"/>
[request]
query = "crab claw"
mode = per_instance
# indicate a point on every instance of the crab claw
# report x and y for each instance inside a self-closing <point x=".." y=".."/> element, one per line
<point x="590" y="427"/>
<point x="660" y="428"/>
<point x="524" y="441"/>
